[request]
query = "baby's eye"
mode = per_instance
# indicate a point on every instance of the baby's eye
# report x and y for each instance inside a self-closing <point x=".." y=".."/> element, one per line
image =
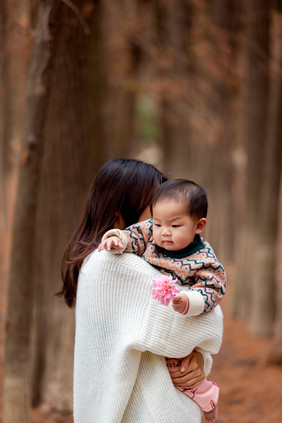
<point x="175" y="226"/>
<point x="157" y="225"/>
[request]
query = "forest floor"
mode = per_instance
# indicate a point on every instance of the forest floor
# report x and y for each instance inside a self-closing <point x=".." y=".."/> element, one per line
<point x="250" y="387"/>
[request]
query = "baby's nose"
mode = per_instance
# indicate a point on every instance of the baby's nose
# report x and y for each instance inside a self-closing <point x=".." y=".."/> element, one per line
<point x="166" y="231"/>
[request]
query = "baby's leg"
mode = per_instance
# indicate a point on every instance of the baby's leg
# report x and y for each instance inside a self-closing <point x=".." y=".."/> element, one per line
<point x="206" y="396"/>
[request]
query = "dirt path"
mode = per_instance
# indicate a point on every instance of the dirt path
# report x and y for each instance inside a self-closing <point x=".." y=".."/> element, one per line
<point x="251" y="389"/>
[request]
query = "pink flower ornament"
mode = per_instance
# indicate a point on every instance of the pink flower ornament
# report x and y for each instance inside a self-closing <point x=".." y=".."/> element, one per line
<point x="164" y="289"/>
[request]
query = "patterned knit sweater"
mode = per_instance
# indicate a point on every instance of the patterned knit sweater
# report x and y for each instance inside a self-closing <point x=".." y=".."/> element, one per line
<point x="122" y="336"/>
<point x="196" y="266"/>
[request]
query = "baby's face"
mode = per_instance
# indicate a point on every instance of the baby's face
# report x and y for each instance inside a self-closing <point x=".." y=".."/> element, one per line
<point x="173" y="228"/>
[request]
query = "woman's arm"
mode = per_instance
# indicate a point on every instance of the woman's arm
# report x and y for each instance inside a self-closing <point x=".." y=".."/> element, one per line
<point x="159" y="329"/>
<point x="121" y="300"/>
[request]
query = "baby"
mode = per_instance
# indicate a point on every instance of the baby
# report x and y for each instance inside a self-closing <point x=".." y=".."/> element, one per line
<point x="171" y="242"/>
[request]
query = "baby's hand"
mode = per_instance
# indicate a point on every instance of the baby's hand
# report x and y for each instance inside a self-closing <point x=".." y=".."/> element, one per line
<point x="179" y="303"/>
<point x="111" y="243"/>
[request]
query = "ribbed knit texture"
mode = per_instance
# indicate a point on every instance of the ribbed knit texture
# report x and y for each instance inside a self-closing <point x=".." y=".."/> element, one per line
<point x="122" y="336"/>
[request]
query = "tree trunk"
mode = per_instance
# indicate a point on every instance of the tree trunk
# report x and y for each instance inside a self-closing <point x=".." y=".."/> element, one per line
<point x="221" y="103"/>
<point x="78" y="130"/>
<point x="120" y="58"/>
<point x="15" y="40"/>
<point x="173" y="68"/>
<point x="3" y="141"/>
<point x="71" y="157"/>
<point x="276" y="355"/>
<point x="278" y="326"/>
<point x="16" y="398"/>
<point x="266" y="257"/>
<point x="254" y="132"/>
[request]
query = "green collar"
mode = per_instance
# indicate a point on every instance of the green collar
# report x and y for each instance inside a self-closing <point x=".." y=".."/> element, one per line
<point x="192" y="248"/>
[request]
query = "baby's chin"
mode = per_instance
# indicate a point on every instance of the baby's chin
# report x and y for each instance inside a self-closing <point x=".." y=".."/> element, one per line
<point x="169" y="246"/>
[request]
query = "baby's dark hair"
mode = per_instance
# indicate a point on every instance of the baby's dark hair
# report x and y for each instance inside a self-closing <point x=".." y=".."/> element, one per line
<point x="194" y="195"/>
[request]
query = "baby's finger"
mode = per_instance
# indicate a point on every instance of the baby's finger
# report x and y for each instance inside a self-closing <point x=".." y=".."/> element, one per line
<point x="109" y="244"/>
<point x="118" y="244"/>
<point x="101" y="246"/>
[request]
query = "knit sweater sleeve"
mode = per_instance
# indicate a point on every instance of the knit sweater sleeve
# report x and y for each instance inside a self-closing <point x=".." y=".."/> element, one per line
<point x="165" y="332"/>
<point x="134" y="239"/>
<point x="210" y="282"/>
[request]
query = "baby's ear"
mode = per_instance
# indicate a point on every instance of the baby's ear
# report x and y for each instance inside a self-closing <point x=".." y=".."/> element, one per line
<point x="201" y="225"/>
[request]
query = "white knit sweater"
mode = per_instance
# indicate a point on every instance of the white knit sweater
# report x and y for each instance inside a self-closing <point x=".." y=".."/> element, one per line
<point x="122" y="337"/>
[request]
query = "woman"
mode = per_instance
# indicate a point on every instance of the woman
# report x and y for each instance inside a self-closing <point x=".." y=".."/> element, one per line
<point x="122" y="334"/>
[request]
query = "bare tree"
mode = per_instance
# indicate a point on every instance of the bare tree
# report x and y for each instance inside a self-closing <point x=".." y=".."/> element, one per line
<point x="85" y="124"/>
<point x="266" y="252"/>
<point x="173" y="26"/>
<point x="72" y="154"/>
<point x="254" y="120"/>
<point x="220" y="73"/>
<point x="19" y="314"/>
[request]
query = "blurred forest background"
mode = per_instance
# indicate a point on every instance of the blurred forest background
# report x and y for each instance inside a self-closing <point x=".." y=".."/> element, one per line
<point x="192" y="86"/>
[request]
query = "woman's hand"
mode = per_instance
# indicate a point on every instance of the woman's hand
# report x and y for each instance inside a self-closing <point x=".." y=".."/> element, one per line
<point x="191" y="372"/>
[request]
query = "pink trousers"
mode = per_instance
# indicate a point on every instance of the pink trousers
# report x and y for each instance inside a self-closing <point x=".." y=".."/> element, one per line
<point x="205" y="395"/>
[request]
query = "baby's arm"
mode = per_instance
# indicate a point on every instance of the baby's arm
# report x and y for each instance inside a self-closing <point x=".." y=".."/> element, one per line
<point x="205" y="294"/>
<point x="210" y="282"/>
<point x="132" y="240"/>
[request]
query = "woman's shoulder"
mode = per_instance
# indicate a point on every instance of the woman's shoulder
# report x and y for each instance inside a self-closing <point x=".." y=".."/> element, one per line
<point x="128" y="261"/>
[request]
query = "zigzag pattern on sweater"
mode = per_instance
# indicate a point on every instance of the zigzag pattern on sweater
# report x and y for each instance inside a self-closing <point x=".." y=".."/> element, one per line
<point x="209" y="300"/>
<point x="138" y="236"/>
<point x="201" y="271"/>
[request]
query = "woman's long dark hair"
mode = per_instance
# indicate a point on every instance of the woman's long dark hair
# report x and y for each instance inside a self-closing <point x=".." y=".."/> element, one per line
<point x="121" y="188"/>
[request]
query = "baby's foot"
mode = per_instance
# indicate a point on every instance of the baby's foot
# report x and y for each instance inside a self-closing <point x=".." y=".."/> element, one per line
<point x="211" y="416"/>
